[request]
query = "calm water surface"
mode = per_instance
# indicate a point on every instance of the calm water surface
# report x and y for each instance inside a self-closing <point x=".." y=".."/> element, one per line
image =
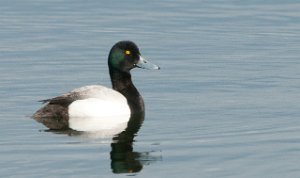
<point x="225" y="104"/>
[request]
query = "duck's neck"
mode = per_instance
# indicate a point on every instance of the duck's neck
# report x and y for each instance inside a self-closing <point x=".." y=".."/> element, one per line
<point x="121" y="82"/>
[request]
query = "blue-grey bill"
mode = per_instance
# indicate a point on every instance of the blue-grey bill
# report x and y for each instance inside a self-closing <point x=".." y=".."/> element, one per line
<point x="144" y="64"/>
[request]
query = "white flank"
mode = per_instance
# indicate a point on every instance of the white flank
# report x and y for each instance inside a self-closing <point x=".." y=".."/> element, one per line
<point x="105" y="110"/>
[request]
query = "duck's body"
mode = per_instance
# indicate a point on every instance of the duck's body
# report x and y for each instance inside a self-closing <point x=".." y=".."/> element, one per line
<point x="95" y="107"/>
<point x="88" y="108"/>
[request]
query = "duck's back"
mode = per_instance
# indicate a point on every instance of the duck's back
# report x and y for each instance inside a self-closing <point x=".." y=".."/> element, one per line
<point x="78" y="107"/>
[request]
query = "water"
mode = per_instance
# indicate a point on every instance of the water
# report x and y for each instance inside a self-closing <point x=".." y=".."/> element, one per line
<point x="225" y="104"/>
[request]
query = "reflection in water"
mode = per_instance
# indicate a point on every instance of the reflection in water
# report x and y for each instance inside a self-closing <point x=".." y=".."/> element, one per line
<point x="123" y="158"/>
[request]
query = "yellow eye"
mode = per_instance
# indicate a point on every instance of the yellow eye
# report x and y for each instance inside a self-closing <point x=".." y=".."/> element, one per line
<point x="127" y="52"/>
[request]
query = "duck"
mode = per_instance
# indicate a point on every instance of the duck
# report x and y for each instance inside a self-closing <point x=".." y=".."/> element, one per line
<point x="96" y="107"/>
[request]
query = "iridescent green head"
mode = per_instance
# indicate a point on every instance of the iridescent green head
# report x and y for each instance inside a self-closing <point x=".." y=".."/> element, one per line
<point x="125" y="55"/>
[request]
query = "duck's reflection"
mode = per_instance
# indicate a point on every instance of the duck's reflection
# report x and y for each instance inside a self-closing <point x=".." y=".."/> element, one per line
<point x="123" y="157"/>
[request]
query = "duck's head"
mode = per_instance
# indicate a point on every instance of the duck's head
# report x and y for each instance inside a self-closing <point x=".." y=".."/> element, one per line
<point x="125" y="55"/>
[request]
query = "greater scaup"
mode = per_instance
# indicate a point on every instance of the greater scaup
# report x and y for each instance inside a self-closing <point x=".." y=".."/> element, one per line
<point x="95" y="107"/>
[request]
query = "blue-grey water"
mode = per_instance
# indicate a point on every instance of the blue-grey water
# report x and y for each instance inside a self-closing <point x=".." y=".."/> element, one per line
<point x="226" y="102"/>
